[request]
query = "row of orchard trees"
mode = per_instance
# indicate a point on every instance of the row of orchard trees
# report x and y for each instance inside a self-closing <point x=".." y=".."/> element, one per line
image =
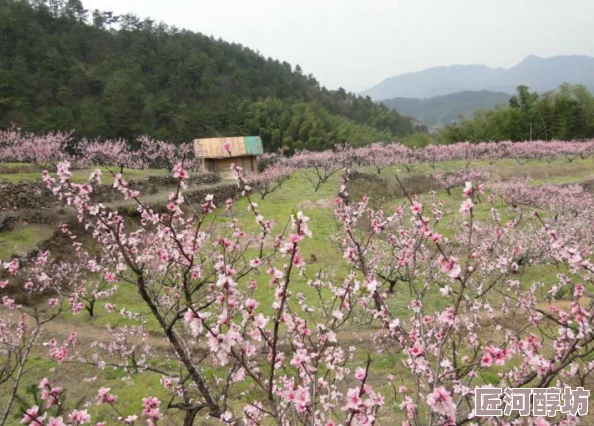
<point x="55" y="147"/>
<point x="145" y="152"/>
<point x="315" y="166"/>
<point x="198" y="279"/>
<point x="318" y="167"/>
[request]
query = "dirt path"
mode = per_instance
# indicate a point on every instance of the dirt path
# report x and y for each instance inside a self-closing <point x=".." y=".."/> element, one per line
<point x="88" y="333"/>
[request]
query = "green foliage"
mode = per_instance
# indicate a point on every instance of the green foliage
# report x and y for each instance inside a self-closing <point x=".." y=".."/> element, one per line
<point x="443" y="110"/>
<point x="23" y="239"/>
<point x="419" y="140"/>
<point x="563" y="114"/>
<point x="298" y="125"/>
<point x="59" y="72"/>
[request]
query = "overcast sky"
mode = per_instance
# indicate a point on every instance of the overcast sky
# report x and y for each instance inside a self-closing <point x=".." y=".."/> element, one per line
<point x="358" y="43"/>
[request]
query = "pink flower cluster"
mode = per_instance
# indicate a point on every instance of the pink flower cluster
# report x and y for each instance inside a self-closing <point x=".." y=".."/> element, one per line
<point x="453" y="309"/>
<point x="55" y="147"/>
<point x="318" y="167"/>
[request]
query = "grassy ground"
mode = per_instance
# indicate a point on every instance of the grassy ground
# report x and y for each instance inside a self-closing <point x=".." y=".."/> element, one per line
<point x="297" y="194"/>
<point x="23" y="238"/>
<point x="19" y="172"/>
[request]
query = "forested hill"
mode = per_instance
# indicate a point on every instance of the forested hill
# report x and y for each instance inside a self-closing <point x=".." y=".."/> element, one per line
<point x="62" y="67"/>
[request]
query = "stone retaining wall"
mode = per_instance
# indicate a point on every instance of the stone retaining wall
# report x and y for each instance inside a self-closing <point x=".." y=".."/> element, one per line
<point x="25" y="196"/>
<point x="34" y="195"/>
<point x="196" y="196"/>
<point x="196" y="179"/>
<point x="221" y="194"/>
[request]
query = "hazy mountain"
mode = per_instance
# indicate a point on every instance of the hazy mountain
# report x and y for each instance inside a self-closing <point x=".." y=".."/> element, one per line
<point x="540" y="74"/>
<point x="442" y="110"/>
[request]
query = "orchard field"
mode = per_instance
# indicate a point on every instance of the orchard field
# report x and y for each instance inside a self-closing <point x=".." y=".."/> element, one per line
<point x="377" y="285"/>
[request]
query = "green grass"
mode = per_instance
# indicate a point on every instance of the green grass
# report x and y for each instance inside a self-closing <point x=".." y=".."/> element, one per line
<point x="81" y="176"/>
<point x="297" y="194"/>
<point x="81" y="383"/>
<point x="17" y="172"/>
<point x="557" y="171"/>
<point x="23" y="239"/>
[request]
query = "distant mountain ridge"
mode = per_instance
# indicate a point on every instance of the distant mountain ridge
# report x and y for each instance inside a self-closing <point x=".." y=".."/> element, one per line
<point x="540" y="74"/>
<point x="441" y="110"/>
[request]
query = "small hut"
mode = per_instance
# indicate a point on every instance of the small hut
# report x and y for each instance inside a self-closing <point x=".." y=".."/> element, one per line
<point x="243" y="152"/>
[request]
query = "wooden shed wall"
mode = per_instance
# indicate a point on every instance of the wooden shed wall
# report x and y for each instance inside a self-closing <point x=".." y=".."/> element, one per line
<point x="240" y="146"/>
<point x="207" y="149"/>
<point x="221" y="165"/>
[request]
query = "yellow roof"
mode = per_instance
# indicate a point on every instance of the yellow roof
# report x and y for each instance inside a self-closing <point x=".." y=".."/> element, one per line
<point x="239" y="146"/>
